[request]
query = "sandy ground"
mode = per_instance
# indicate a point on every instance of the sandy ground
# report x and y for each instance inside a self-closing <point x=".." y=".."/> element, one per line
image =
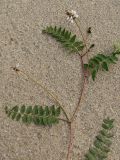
<point x="21" y="41"/>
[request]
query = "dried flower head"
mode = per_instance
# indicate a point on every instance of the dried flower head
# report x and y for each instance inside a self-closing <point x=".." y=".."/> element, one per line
<point x="16" y="68"/>
<point x="72" y="15"/>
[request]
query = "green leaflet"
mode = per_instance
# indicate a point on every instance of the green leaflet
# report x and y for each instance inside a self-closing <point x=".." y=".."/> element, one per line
<point x="102" y="142"/>
<point x="62" y="35"/>
<point x="38" y="115"/>
<point x="101" y="62"/>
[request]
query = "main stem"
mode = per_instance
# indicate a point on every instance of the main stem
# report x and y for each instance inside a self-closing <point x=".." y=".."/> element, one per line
<point x="82" y="90"/>
<point x="70" y="141"/>
<point x="75" y="111"/>
<point x="81" y="94"/>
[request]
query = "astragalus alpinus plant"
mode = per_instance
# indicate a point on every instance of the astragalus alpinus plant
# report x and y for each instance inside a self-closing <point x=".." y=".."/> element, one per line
<point x="50" y="115"/>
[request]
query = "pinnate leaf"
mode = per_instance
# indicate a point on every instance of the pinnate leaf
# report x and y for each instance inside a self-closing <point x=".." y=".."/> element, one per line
<point x="102" y="143"/>
<point x="62" y="35"/>
<point x="101" y="62"/>
<point x="38" y="115"/>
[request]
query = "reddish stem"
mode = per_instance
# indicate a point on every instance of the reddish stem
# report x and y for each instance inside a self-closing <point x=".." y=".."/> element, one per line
<point x="76" y="109"/>
<point x="70" y="142"/>
<point x="85" y="53"/>
<point x="82" y="90"/>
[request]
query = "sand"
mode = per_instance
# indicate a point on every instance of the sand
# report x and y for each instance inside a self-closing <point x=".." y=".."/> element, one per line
<point x="21" y="41"/>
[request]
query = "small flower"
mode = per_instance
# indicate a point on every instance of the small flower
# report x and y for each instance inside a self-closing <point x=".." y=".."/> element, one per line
<point x="17" y="65"/>
<point x="71" y="15"/>
<point x="74" y="14"/>
<point x="70" y="19"/>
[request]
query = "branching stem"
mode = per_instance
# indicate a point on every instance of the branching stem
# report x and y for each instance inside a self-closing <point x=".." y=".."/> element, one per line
<point x="71" y="41"/>
<point x="67" y="120"/>
<point x="64" y="120"/>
